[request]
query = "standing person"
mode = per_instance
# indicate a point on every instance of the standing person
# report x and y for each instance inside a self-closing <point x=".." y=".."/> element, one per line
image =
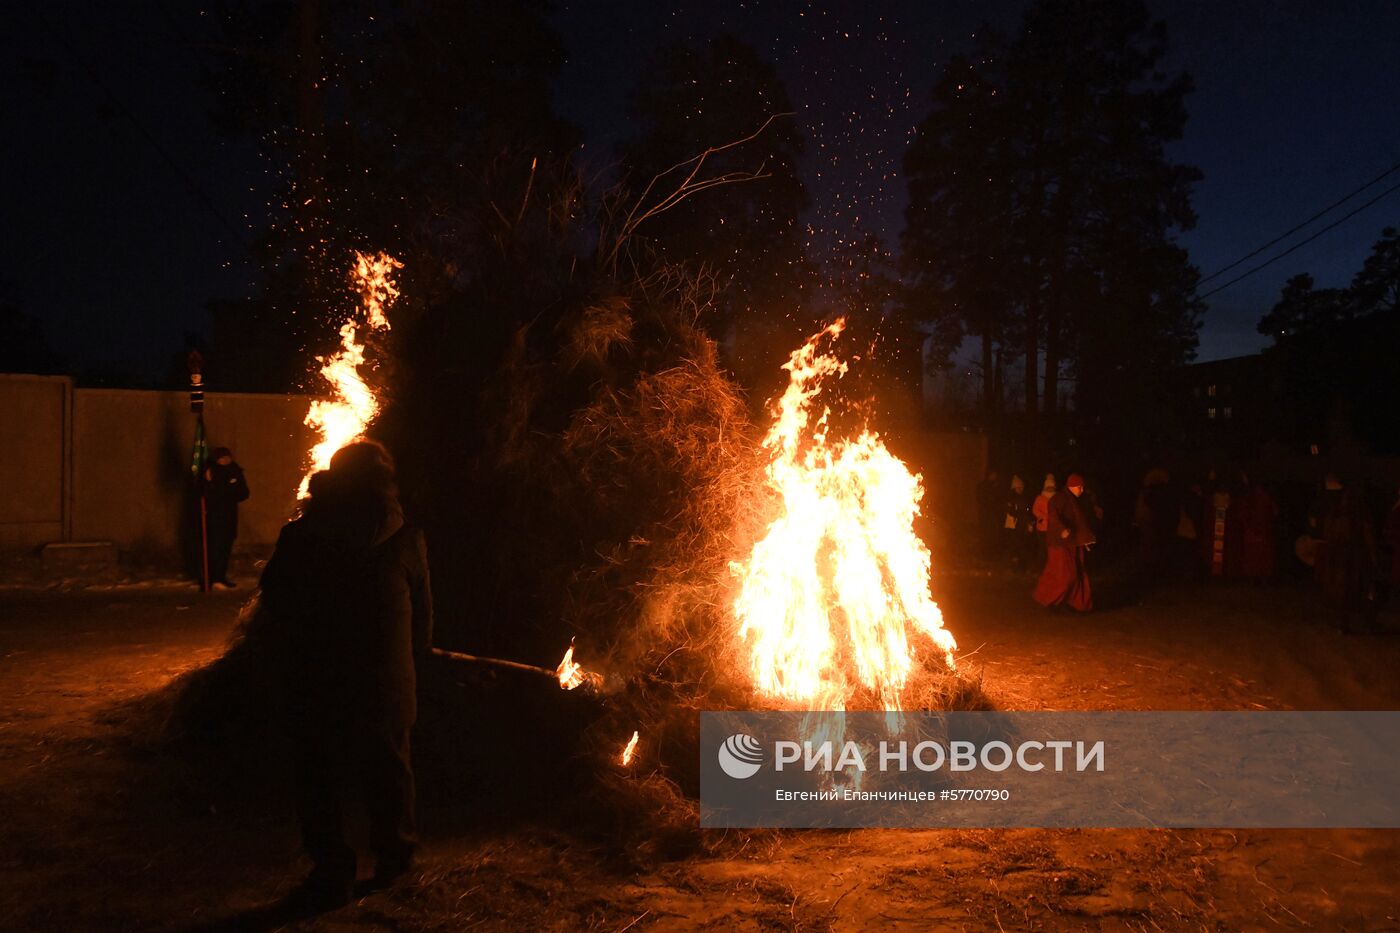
<point x="1319" y="513"/>
<point x="224" y="487"/>
<point x="1068" y="536"/>
<point x="1392" y="538"/>
<point x="347" y="593"/>
<point x="1157" y="517"/>
<point x="1092" y="511"/>
<point x="1188" y="532"/>
<point x="1017" y="525"/>
<point x="1258" y="514"/>
<point x="989" y="512"/>
<point x="1349" y="573"/>
<point x="1040" y="510"/>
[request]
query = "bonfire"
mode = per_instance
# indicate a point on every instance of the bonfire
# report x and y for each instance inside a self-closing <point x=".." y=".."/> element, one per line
<point x="834" y="598"/>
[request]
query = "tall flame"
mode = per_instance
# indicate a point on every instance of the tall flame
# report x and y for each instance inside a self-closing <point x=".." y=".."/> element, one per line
<point x="832" y="596"/>
<point x="352" y="405"/>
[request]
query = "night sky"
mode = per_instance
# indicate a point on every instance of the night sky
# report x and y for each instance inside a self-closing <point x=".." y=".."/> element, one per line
<point x="126" y="210"/>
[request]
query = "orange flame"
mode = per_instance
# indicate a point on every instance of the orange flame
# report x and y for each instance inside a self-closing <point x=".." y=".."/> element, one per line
<point x="572" y="675"/>
<point x="631" y="749"/>
<point x="352" y="405"/>
<point x="832" y="595"/>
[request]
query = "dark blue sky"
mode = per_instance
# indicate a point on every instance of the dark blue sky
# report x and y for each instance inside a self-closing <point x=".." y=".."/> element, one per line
<point x="1297" y="103"/>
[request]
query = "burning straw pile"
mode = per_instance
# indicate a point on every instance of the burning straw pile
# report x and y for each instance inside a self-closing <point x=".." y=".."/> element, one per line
<point x="589" y="478"/>
<point x="659" y="476"/>
<point x="720" y="567"/>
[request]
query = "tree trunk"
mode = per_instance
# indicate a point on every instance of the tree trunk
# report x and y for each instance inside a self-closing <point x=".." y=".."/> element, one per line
<point x="1032" y="350"/>
<point x="988" y="376"/>
<point x="999" y="383"/>
<point x="1057" y="288"/>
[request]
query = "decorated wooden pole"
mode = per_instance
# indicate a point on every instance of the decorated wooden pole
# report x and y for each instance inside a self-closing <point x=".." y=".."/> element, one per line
<point x="198" y="457"/>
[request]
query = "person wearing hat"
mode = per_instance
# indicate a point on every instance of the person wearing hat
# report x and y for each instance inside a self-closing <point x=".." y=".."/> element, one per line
<point x="1068" y="534"/>
<point x="1017" y="525"/>
<point x="224" y="487"/>
<point x="348" y="597"/>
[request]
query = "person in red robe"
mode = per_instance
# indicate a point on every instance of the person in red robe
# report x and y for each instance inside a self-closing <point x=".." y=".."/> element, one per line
<point x="1068" y="534"/>
<point x="1258" y="513"/>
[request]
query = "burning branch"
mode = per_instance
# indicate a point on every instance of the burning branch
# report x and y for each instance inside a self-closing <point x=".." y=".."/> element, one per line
<point x="569" y="673"/>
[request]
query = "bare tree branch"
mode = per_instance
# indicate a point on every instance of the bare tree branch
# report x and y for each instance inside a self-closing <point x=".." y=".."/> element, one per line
<point x="640" y="212"/>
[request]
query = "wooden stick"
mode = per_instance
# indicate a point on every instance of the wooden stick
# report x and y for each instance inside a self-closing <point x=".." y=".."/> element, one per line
<point x="496" y="662"/>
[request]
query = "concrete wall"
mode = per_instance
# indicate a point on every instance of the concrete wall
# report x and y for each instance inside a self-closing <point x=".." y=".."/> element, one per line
<point x="113" y="464"/>
<point x="34" y="414"/>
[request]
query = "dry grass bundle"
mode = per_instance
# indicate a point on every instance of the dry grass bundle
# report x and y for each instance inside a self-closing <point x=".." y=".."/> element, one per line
<point x="672" y="473"/>
<point x="606" y="324"/>
<point x="672" y="463"/>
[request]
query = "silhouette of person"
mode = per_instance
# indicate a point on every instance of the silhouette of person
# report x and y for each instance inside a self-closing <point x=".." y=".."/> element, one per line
<point x="347" y="593"/>
<point x="224" y="487"/>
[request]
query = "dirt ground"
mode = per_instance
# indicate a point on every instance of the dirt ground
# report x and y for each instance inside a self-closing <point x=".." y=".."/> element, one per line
<point x="101" y="831"/>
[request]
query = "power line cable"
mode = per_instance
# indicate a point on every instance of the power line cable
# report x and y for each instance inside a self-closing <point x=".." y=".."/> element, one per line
<point x="1288" y="233"/>
<point x="1301" y="243"/>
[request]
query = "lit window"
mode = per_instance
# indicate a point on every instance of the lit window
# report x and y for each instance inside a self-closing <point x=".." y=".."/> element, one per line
<point x="1210" y="390"/>
<point x="1210" y="413"/>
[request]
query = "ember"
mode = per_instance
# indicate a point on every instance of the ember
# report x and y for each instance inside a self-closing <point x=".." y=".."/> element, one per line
<point x="343" y="417"/>
<point x="836" y="594"/>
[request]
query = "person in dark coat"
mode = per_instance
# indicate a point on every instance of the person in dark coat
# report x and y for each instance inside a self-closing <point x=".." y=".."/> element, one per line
<point x="224" y="487"/>
<point x="1157" y="517"/>
<point x="1018" y="526"/>
<point x="1069" y="533"/>
<point x="1319" y="514"/>
<point x="347" y="591"/>
<point x="989" y="514"/>
<point x="1349" y="575"/>
<point x="1258" y="515"/>
<point x="1392" y="539"/>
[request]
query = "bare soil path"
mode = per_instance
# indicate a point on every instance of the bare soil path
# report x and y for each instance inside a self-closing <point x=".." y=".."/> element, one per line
<point x="100" y="832"/>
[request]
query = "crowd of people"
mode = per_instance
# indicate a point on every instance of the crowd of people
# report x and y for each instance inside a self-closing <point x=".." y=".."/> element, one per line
<point x="1212" y="527"/>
